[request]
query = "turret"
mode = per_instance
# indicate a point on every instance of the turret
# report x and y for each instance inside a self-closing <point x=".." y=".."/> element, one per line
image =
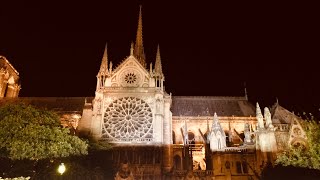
<point x="103" y="72"/>
<point x="158" y="74"/>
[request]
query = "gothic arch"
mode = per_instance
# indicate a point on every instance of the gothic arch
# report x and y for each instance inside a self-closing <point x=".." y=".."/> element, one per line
<point x="298" y="142"/>
<point x="177" y="164"/>
<point x="191" y="137"/>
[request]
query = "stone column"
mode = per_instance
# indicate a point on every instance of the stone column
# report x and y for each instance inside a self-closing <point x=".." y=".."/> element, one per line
<point x="3" y="84"/>
<point x="10" y="91"/>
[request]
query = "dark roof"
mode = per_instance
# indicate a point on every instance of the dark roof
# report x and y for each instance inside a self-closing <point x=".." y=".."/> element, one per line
<point x="223" y="106"/>
<point x="59" y="104"/>
<point x="181" y="105"/>
<point x="280" y="115"/>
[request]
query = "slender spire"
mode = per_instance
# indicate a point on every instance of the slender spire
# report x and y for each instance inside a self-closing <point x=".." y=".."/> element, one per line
<point x="138" y="49"/>
<point x="131" y="49"/>
<point x="186" y="138"/>
<point x="245" y="91"/>
<point x="158" y="65"/>
<point x="267" y="116"/>
<point x="104" y="63"/>
<point x="259" y="116"/>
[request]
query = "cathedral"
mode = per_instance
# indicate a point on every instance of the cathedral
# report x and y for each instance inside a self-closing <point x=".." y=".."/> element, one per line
<point x="157" y="135"/>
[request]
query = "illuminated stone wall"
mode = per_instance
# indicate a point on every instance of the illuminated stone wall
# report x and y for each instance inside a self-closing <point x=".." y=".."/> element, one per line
<point x="9" y="79"/>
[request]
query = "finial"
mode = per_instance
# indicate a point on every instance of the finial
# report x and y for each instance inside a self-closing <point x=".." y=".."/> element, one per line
<point x="215" y="118"/>
<point x="110" y="68"/>
<point x="150" y="68"/>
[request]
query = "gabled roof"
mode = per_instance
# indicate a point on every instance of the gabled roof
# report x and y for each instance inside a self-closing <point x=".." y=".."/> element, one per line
<point x="223" y="106"/>
<point x="128" y="59"/>
<point x="281" y="115"/>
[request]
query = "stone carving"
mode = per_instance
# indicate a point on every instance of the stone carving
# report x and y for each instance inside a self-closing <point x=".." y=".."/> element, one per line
<point x="267" y="116"/>
<point x="259" y="117"/>
<point x="247" y="134"/>
<point x="98" y="104"/>
<point x="124" y="173"/>
<point x="216" y="137"/>
<point x="130" y="78"/>
<point x="128" y="118"/>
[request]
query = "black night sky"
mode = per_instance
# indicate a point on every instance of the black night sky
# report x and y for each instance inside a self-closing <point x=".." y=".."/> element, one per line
<point x="207" y="49"/>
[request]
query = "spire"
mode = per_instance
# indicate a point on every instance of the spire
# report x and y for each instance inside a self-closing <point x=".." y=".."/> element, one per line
<point x="131" y="49"/>
<point x="215" y="118"/>
<point x="158" y="65"/>
<point x="104" y="63"/>
<point x="138" y="49"/>
<point x="259" y="116"/>
<point x="186" y="139"/>
<point x="267" y="116"/>
<point x="245" y="91"/>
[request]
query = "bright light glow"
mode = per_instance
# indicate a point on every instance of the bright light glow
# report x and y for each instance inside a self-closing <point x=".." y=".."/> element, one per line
<point x="61" y="168"/>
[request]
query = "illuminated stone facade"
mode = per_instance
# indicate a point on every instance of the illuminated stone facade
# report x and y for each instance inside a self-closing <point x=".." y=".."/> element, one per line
<point x="201" y="137"/>
<point x="161" y="136"/>
<point x="9" y="79"/>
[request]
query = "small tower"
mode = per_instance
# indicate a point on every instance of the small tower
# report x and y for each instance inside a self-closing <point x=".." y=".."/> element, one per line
<point x="103" y="72"/>
<point x="158" y="74"/>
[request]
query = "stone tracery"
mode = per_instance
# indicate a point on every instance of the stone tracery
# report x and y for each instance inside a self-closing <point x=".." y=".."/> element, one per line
<point x="128" y="118"/>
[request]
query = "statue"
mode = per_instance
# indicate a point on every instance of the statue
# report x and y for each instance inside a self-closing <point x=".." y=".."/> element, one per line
<point x="259" y="117"/>
<point x="267" y="116"/>
<point x="247" y="134"/>
<point x="124" y="172"/>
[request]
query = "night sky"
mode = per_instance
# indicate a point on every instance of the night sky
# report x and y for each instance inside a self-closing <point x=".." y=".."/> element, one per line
<point x="207" y="49"/>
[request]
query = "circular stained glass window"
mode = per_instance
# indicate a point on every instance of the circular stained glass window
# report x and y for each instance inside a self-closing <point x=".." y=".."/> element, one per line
<point x="126" y="119"/>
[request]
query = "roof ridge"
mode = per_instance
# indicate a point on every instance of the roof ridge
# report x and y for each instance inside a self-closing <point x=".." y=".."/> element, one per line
<point x="212" y="97"/>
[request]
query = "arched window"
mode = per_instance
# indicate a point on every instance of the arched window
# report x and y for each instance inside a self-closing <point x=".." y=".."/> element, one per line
<point x="239" y="170"/>
<point x="191" y="138"/>
<point x="173" y="137"/>
<point x="177" y="162"/>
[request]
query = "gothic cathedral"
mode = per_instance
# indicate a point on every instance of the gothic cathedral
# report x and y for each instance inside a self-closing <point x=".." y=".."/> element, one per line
<point x="160" y="136"/>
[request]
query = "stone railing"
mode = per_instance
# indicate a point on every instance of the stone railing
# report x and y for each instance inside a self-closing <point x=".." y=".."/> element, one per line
<point x="199" y="173"/>
<point x="282" y="127"/>
<point x="238" y="149"/>
<point x="193" y="147"/>
<point x="130" y="140"/>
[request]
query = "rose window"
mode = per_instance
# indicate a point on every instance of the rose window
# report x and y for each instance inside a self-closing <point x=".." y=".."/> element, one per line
<point x="126" y="119"/>
<point x="130" y="78"/>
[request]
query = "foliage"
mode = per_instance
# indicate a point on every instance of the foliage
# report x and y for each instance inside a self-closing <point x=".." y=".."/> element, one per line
<point x="30" y="133"/>
<point x="99" y="146"/>
<point x="307" y="157"/>
<point x="16" y="178"/>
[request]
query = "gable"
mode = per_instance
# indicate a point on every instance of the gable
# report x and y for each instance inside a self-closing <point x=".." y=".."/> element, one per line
<point x="130" y="73"/>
